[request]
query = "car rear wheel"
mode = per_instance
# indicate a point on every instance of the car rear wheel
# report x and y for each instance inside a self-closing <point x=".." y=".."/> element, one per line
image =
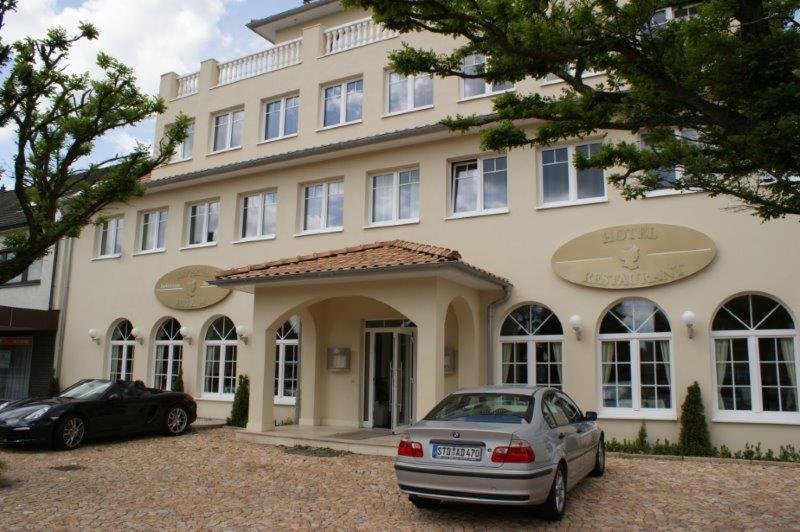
<point x="70" y="432"/>
<point x="600" y="460"/>
<point x="556" y="503"/>
<point x="423" y="502"/>
<point x="176" y="421"/>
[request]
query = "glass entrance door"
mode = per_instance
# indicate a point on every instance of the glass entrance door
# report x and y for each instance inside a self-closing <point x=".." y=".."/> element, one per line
<point x="403" y="386"/>
<point x="389" y="378"/>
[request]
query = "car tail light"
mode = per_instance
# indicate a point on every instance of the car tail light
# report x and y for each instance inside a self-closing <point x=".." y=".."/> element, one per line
<point x="190" y="399"/>
<point x="409" y="448"/>
<point x="516" y="452"/>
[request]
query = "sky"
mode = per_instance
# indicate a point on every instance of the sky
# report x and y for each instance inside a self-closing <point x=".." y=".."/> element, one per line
<point x="151" y="36"/>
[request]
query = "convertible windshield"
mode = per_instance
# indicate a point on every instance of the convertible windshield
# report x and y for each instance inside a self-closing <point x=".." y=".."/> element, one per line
<point x="484" y="408"/>
<point x="86" y="390"/>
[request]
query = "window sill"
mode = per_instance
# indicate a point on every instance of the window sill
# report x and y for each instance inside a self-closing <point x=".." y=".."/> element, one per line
<point x="559" y="80"/>
<point x="669" y="192"/>
<point x="320" y="231"/>
<point x="107" y="257"/>
<point x="198" y="246"/>
<point x="407" y="111"/>
<point x="625" y="413"/>
<point x="150" y="252"/>
<point x="277" y="139"/>
<point x="226" y="150"/>
<point x="178" y="161"/>
<point x="576" y="203"/>
<point x="475" y="214"/>
<point x="216" y="398"/>
<point x="254" y="239"/>
<point x="20" y="284"/>
<point x="285" y="401"/>
<point x="759" y="418"/>
<point x="344" y="124"/>
<point x="486" y="95"/>
<point x="378" y="225"/>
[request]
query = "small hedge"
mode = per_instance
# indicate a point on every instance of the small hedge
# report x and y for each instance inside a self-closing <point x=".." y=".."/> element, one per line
<point x="177" y="382"/>
<point x="241" y="403"/>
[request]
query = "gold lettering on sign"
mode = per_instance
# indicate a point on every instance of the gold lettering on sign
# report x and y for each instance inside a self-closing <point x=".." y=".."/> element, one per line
<point x="187" y="288"/>
<point x="634" y="256"/>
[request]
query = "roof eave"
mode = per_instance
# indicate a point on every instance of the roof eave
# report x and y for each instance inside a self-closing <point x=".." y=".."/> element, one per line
<point x="268" y="27"/>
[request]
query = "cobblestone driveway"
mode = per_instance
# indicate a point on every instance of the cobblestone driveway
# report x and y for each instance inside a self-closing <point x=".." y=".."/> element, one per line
<point x="209" y="480"/>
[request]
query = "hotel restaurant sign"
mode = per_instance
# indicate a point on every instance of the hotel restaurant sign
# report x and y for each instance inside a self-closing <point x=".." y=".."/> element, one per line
<point x="187" y="288"/>
<point x="634" y="256"/>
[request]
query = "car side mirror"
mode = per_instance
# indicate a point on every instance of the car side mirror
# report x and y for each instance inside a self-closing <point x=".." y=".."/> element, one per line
<point x="590" y="416"/>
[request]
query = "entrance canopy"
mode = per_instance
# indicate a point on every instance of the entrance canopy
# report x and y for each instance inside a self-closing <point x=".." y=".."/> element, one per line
<point x="396" y="258"/>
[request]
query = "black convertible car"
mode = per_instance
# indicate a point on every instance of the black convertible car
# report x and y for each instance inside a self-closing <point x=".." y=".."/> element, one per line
<point x="96" y="407"/>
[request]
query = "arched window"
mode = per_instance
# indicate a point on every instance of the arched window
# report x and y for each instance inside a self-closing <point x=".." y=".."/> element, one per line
<point x="287" y="359"/>
<point x="168" y="355"/>
<point x="635" y="360"/>
<point x="532" y="347"/>
<point x="755" y="357"/>
<point x="122" y="344"/>
<point x="219" y="375"/>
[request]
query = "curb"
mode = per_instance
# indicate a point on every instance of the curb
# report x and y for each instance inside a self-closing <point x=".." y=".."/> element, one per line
<point x="708" y="459"/>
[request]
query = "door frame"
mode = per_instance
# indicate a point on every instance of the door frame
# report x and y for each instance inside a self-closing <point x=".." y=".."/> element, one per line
<point x="369" y="359"/>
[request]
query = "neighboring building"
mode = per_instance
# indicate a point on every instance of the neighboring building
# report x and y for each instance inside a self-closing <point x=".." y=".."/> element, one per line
<point x="28" y="316"/>
<point x="330" y="175"/>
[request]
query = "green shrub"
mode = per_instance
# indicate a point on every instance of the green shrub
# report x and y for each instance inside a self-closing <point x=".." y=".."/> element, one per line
<point x="53" y="387"/>
<point x="241" y="403"/>
<point x="694" y="429"/>
<point x="641" y="438"/>
<point x="177" y="382"/>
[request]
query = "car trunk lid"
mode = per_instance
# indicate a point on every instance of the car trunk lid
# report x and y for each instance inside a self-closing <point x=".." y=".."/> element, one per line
<point x="456" y="443"/>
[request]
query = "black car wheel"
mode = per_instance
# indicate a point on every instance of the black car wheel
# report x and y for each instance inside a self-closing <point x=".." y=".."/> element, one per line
<point x="599" y="460"/>
<point x="176" y="421"/>
<point x="70" y="432"/>
<point x="556" y="503"/>
<point x="423" y="502"/>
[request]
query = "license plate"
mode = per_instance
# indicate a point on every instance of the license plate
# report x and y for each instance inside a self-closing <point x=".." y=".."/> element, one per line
<point x="458" y="452"/>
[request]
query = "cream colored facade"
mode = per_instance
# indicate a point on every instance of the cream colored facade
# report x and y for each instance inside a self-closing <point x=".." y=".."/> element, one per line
<point x="451" y="312"/>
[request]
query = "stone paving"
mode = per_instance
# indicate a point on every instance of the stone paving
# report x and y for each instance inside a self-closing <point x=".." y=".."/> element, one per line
<point x="209" y="480"/>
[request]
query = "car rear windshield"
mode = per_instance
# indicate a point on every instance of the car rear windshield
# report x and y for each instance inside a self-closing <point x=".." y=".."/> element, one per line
<point x="484" y="408"/>
<point x="86" y="390"/>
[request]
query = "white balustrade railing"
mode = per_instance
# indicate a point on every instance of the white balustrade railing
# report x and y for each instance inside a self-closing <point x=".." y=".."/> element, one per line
<point x="281" y="56"/>
<point x="355" y="34"/>
<point x="188" y="84"/>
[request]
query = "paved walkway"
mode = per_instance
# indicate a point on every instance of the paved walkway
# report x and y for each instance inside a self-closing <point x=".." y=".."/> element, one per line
<point x="209" y="480"/>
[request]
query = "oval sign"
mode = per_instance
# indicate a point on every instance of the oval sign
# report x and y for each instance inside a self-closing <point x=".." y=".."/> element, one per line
<point x="634" y="256"/>
<point x="187" y="288"/>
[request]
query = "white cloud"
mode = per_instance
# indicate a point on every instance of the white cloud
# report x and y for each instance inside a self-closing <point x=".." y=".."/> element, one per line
<point x="151" y="36"/>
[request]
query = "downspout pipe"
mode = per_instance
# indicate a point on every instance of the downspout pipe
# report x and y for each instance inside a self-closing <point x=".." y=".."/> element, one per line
<point x="490" y="332"/>
<point x="66" y="272"/>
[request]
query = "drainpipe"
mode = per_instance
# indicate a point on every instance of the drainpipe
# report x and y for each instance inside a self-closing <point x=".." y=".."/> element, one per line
<point x="490" y="333"/>
<point x="66" y="271"/>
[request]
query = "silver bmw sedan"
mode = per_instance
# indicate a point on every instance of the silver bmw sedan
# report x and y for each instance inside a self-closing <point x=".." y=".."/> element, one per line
<point x="500" y="445"/>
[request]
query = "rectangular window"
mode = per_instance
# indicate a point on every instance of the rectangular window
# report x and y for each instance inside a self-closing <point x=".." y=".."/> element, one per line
<point x="183" y="151"/>
<point x="342" y="103"/>
<point x="228" y="130"/>
<point x="281" y="118"/>
<point x="562" y="183"/>
<point x="475" y="87"/>
<point x="617" y="377"/>
<point x="203" y="223"/>
<point x="636" y="374"/>
<point x="479" y="185"/>
<point x="323" y="206"/>
<point x="109" y="238"/>
<point x="394" y="197"/>
<point x="662" y="16"/>
<point x="152" y="230"/>
<point x="258" y="215"/>
<point x="670" y="176"/>
<point x="31" y="274"/>
<point x="406" y="93"/>
<point x="544" y="368"/>
<point x="286" y="371"/>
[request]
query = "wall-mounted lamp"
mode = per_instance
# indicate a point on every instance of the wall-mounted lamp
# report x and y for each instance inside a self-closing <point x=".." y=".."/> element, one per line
<point x="689" y="319"/>
<point x="136" y="334"/>
<point x="185" y="334"/>
<point x="241" y="332"/>
<point x="576" y="322"/>
<point x="93" y="336"/>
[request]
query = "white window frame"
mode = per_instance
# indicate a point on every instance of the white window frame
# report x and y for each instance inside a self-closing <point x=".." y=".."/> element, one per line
<point x="553" y="79"/>
<point x="128" y="351"/>
<point x="325" y="198"/>
<point x="280" y="346"/>
<point x="224" y="356"/>
<point x="678" y="176"/>
<point x="573" y="177"/>
<point x="411" y="96"/>
<point x="479" y="211"/>
<point x="342" y="104"/>
<point x="181" y="152"/>
<point x="262" y="195"/>
<point x="205" y="241"/>
<point x="488" y="89"/>
<point x="282" y="117"/>
<point x="757" y="414"/>
<point x="170" y="345"/>
<point x="113" y="227"/>
<point x="670" y="12"/>
<point x="229" y="140"/>
<point x="396" y="220"/>
<point x="162" y="217"/>
<point x="531" y="342"/>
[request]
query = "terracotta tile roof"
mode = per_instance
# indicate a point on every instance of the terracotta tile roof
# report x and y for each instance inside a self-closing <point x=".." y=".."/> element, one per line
<point x="390" y="254"/>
